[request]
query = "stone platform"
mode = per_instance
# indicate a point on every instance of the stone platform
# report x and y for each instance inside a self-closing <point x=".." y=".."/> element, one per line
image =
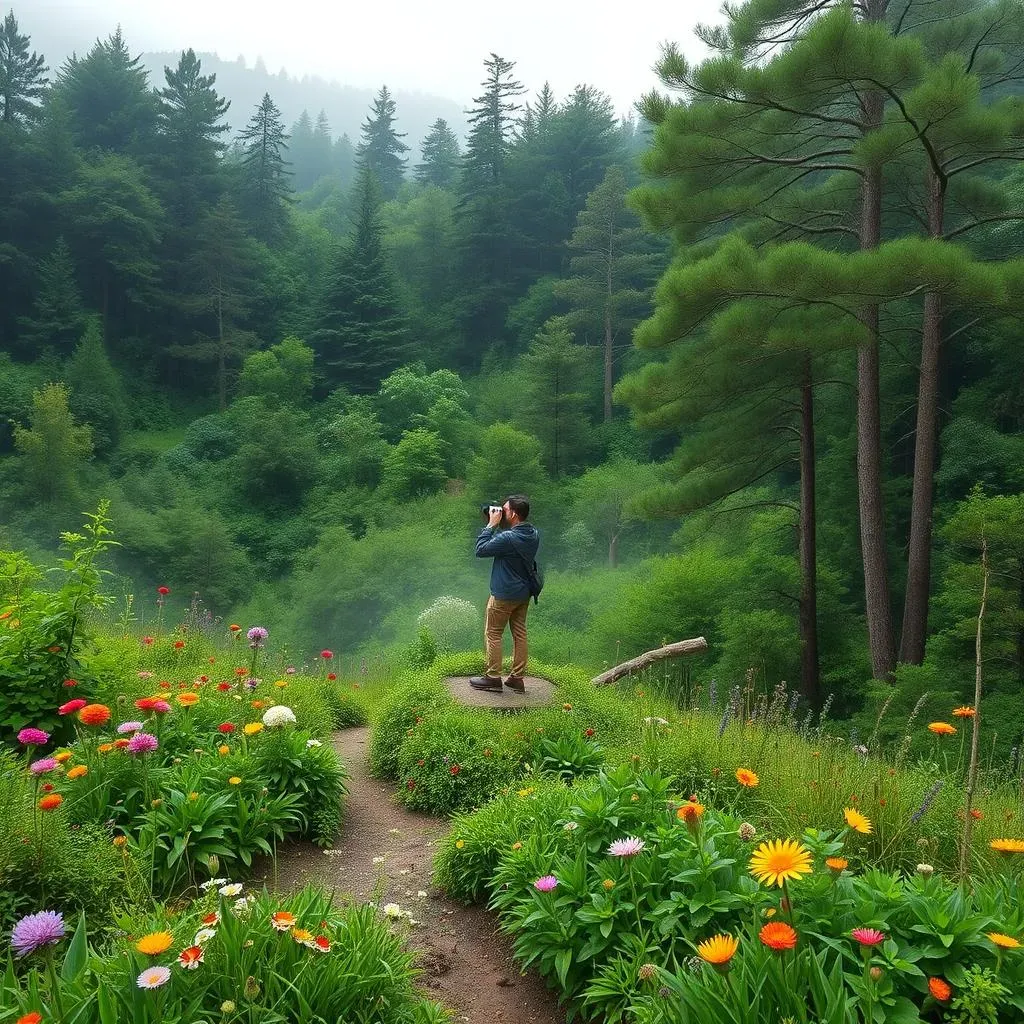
<point x="538" y="693"/>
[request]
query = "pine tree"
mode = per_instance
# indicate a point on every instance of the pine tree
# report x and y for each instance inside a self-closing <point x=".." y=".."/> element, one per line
<point x="97" y="394"/>
<point x="264" y="174"/>
<point x="320" y="154"/>
<point x="361" y="333"/>
<point x="381" y="148"/>
<point x="57" y="317"/>
<point x="613" y="268"/>
<point x="492" y="122"/>
<point x="343" y="160"/>
<point x="22" y="75"/>
<point x="300" y="149"/>
<point x="440" y="164"/>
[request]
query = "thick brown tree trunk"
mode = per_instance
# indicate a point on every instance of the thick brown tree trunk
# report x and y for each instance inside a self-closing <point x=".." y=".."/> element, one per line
<point x="810" y="676"/>
<point x="915" y="607"/>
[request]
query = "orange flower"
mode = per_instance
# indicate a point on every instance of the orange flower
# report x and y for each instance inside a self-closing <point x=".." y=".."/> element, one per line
<point x="778" y="935"/>
<point x="154" y="943"/>
<point x="976" y="814"/>
<point x="282" y="921"/>
<point x="30" y="1018"/>
<point x="745" y="777"/>
<point x="186" y="700"/>
<point x="94" y="714"/>
<point x="941" y="728"/>
<point x="106" y="748"/>
<point x="690" y="812"/>
<point x="119" y="743"/>
<point x="64" y="755"/>
<point x="1007" y="845"/>
<point x="1003" y="941"/>
<point x="938" y="987"/>
<point x="51" y="802"/>
<point x="120" y="840"/>
<point x="718" y="950"/>
<point x="234" y="627"/>
<point x="223" y="749"/>
<point x="78" y="771"/>
<point x="857" y="821"/>
<point x="837" y="864"/>
<point x="964" y="712"/>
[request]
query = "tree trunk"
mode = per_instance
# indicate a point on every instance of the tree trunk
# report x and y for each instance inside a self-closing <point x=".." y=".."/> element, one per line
<point x="222" y="372"/>
<point x="809" y="661"/>
<point x="676" y="650"/>
<point x="613" y="551"/>
<point x="869" y="428"/>
<point x="915" y="607"/>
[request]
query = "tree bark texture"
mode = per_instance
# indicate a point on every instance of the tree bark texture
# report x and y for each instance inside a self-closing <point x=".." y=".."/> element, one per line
<point x="676" y="650"/>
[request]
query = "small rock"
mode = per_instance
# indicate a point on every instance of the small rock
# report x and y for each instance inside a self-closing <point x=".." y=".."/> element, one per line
<point x="505" y="983"/>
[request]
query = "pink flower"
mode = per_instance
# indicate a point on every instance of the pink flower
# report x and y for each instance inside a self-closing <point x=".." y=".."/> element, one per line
<point x="545" y="883"/>
<point x="628" y="847"/>
<point x="72" y="706"/>
<point x="868" y="936"/>
<point x="32" y="737"/>
<point x="326" y="655"/>
<point x="44" y="765"/>
<point x="142" y="743"/>
<point x="161" y="707"/>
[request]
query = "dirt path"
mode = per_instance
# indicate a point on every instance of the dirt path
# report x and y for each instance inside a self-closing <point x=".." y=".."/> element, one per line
<point x="466" y="963"/>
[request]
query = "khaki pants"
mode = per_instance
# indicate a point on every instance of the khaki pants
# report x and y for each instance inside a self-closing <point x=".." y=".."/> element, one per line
<point x="499" y="614"/>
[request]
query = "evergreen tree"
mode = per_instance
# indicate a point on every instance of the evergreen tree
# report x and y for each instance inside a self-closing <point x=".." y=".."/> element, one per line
<point x="22" y="75"/>
<point x="266" y="189"/>
<point x="343" y="160"/>
<point x="492" y="122"/>
<point x="108" y="95"/>
<point x="97" y="395"/>
<point x="300" y="149"/>
<point x="320" y="153"/>
<point x="57" y="317"/>
<point x="381" y="148"/>
<point x="440" y="164"/>
<point x="361" y="333"/>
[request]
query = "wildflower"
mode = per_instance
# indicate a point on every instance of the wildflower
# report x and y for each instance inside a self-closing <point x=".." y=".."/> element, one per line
<point x="926" y="802"/>
<point x="163" y="591"/>
<point x="94" y="714"/>
<point x="857" y="821"/>
<point x="570" y="826"/>
<point x="876" y="973"/>
<point x="628" y="847"/>
<point x="62" y="756"/>
<point x="282" y="921"/>
<point x="747" y="832"/>
<point x="223" y="687"/>
<point x="326" y="655"/>
<point x="646" y="972"/>
<point x="154" y="977"/>
<point x="718" y="950"/>
<point x="455" y="769"/>
<point x="187" y="699"/>
<point x="142" y="743"/>
<point x="251" y="988"/>
<point x="77" y="772"/>
<point x="277" y="716"/>
<point x="976" y="814"/>
<point x="33" y="932"/>
<point x="1007" y="845"/>
<point x="1003" y="941"/>
<point x="925" y="870"/>
<point x="837" y="865"/>
<point x="179" y="644"/>
<point x="280" y="684"/>
<point x="745" y="777"/>
<point x="35" y="1017"/>
<point x="567" y="706"/>
<point x="379" y="860"/>
<point x="212" y="883"/>
<point x="223" y="750"/>
<point x="126" y="727"/>
<point x="226" y="727"/>
<point x="941" y="728"/>
<point x="313" y="743"/>
<point x="203" y="936"/>
<point x="779" y="861"/>
<point x="120" y="840"/>
<point x="545" y="883"/>
<point x="392" y="910"/>
<point x="460" y="843"/>
<point x="303" y="936"/>
<point x="43" y="765"/>
<point x="234" y="781"/>
<point x="51" y="802"/>
<point x="191" y="957"/>
<point x="777" y="935"/>
<point x="868" y="936"/>
<point x="964" y="712"/>
<point x="160" y="707"/>
<point x="690" y="812"/>
<point x="321" y="944"/>
<point x="231" y="889"/>
<point x="938" y="987"/>
<point x="608" y="885"/>
<point x="211" y="920"/>
<point x="331" y="676"/>
<point x="251" y="728"/>
<point x="106" y="748"/>
<point x="32" y="737"/>
<point x="235" y="627"/>
<point x="146" y="703"/>
<point x="517" y="846"/>
<point x="155" y="943"/>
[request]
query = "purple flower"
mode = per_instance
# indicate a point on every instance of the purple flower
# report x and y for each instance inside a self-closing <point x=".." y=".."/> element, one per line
<point x="256" y="636"/>
<point x="290" y="670"/>
<point x="545" y="883"/>
<point x="126" y="727"/>
<point x="32" y="737"/>
<point x="42" y="766"/>
<point x="628" y="847"/>
<point x="251" y="683"/>
<point x="37" y="930"/>
<point x="142" y="743"/>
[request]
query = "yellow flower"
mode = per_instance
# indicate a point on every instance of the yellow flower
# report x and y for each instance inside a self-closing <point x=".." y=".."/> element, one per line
<point x="64" y="755"/>
<point x="1007" y="845"/>
<point x="608" y="884"/>
<point x="857" y="821"/>
<point x="120" y="840"/>
<point x="223" y="749"/>
<point x="234" y="781"/>
<point x="105" y="748"/>
<point x="186" y="700"/>
<point x="718" y="950"/>
<point x="303" y="936"/>
<point x="280" y="684"/>
<point x="193" y="796"/>
<point x="745" y="777"/>
<point x="525" y="792"/>
<point x="460" y="843"/>
<point x="251" y="728"/>
<point x="1003" y="941"/>
<point x="155" y="943"/>
<point x="780" y="861"/>
<point x="78" y="771"/>
<point x="941" y="728"/>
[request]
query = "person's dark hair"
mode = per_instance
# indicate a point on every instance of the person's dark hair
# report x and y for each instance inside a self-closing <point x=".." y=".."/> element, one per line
<point x="520" y="504"/>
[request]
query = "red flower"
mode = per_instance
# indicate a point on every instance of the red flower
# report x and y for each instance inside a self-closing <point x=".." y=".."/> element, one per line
<point x="223" y="687"/>
<point x="30" y="1018"/>
<point x="455" y="769"/>
<point x="146" y="703"/>
<point x="939" y="989"/>
<point x="976" y="814"/>
<point x="47" y="787"/>
<point x="226" y="727"/>
<point x="164" y="685"/>
<point x="331" y="676"/>
<point x="56" y="649"/>
<point x="203" y="679"/>
<point x="71" y="707"/>
<point x="326" y="655"/>
<point x="147" y="640"/>
<point x="163" y="591"/>
<point x="70" y="683"/>
<point x="178" y="644"/>
<point x="588" y="733"/>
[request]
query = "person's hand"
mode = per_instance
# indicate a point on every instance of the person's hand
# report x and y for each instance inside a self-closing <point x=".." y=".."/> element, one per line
<point x="495" y="516"/>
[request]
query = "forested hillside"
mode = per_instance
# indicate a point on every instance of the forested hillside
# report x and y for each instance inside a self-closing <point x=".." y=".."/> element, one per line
<point x="756" y="355"/>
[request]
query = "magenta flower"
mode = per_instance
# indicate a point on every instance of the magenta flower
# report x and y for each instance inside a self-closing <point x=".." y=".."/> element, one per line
<point x="868" y="936"/>
<point x="628" y="847"/>
<point x="161" y="707"/>
<point x="37" y="930"/>
<point x="545" y="883"/>
<point x="32" y="737"/>
<point x="126" y="727"/>
<point x="256" y="636"/>
<point x="43" y="765"/>
<point x="142" y="743"/>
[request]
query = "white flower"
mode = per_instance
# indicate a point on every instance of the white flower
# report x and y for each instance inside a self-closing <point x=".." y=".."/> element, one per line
<point x="655" y="721"/>
<point x="570" y="826"/>
<point x="378" y="860"/>
<point x="242" y="907"/>
<point x="422" y="895"/>
<point x="231" y="890"/>
<point x="204" y="935"/>
<point x="313" y="743"/>
<point x="213" y="883"/>
<point x="392" y="910"/>
<point x="278" y="715"/>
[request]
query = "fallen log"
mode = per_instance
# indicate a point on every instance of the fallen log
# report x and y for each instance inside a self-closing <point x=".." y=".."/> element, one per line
<point x="676" y="650"/>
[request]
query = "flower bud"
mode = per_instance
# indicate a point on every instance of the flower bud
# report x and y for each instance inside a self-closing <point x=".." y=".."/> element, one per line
<point x="876" y="973"/>
<point x="925" y="870"/>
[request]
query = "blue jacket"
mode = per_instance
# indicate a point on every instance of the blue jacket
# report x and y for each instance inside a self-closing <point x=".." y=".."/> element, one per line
<point x="507" y="573"/>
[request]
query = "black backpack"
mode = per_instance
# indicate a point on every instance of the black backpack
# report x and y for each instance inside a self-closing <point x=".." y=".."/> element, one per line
<point x="531" y="574"/>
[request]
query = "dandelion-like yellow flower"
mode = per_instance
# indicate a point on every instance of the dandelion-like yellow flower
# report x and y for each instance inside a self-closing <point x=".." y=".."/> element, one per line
<point x="964" y="712"/>
<point x="718" y="950"/>
<point x="251" y="728"/>
<point x="1007" y="845"/>
<point x="187" y="700"/>
<point x="941" y="728"/>
<point x="155" y="943"/>
<point x="837" y="864"/>
<point x="780" y="861"/>
<point x="745" y="777"/>
<point x="857" y="821"/>
<point x="234" y="781"/>
<point x="1003" y="941"/>
<point x="460" y="843"/>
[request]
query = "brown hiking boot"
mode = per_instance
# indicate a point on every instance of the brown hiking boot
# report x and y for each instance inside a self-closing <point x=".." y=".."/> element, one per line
<point x="516" y="683"/>
<point x="486" y="683"/>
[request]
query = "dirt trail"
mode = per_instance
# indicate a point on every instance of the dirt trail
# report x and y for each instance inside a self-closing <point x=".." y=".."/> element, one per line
<point x="465" y="961"/>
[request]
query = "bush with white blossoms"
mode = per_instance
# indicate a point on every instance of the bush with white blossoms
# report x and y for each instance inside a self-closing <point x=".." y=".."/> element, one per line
<point x="453" y="623"/>
<point x="278" y="715"/>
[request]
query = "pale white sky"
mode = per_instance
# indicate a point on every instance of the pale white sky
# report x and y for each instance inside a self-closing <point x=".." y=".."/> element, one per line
<point x="434" y="46"/>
